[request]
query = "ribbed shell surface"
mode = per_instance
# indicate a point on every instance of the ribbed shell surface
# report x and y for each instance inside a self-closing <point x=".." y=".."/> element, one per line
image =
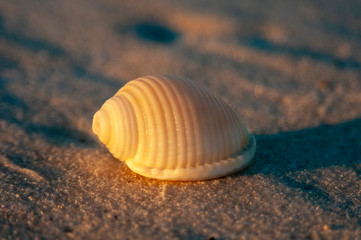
<point x="172" y="128"/>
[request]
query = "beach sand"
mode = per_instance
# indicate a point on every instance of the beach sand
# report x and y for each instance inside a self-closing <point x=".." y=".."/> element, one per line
<point x="291" y="69"/>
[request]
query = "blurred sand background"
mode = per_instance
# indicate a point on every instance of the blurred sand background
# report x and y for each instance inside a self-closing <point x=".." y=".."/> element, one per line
<point x="290" y="68"/>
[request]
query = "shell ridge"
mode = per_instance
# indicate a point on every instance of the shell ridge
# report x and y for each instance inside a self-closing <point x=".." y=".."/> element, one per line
<point x="221" y="123"/>
<point x="150" y="103"/>
<point x="135" y="109"/>
<point x="162" y="128"/>
<point x="189" y="89"/>
<point x="133" y="126"/>
<point x="179" y="94"/>
<point x="244" y="130"/>
<point x="217" y="143"/>
<point x="196" y="94"/>
<point x="118" y="109"/>
<point x="223" y="128"/>
<point x="241" y="138"/>
<point x="188" y="110"/>
<point x="205" y="117"/>
<point x="222" y="132"/>
<point x="141" y="119"/>
<point x="214" y="127"/>
<point x="172" y="131"/>
<point x="226" y="130"/>
<point x="177" y="113"/>
<point x="149" y="116"/>
<point x="232" y="130"/>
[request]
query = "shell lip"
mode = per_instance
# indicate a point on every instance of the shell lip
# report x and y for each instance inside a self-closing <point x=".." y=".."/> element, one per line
<point x="233" y="164"/>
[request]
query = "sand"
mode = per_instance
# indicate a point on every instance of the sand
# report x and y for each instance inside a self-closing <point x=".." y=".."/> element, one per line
<point x="291" y="69"/>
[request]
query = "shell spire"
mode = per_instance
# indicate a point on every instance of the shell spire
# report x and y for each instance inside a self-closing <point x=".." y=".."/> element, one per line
<point x="115" y="126"/>
<point x="172" y="128"/>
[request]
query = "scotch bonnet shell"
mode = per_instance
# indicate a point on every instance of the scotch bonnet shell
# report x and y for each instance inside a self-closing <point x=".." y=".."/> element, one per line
<point x="172" y="128"/>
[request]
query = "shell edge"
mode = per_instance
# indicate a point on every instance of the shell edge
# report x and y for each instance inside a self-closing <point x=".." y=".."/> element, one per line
<point x="206" y="172"/>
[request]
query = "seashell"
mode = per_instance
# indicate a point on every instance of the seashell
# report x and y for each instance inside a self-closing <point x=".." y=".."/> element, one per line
<point x="171" y="128"/>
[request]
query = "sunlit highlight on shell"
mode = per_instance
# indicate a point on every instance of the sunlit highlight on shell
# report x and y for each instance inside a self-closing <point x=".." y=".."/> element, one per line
<point x="172" y="128"/>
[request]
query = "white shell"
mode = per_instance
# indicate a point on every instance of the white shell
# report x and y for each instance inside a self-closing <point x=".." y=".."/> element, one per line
<point x="172" y="128"/>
